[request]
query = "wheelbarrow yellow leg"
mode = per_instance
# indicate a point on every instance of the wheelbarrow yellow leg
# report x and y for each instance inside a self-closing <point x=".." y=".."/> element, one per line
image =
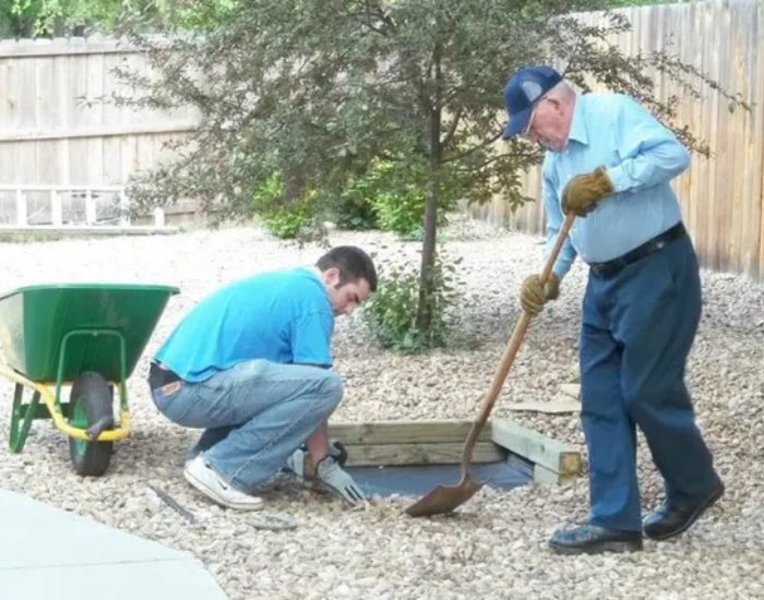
<point x="54" y="410"/>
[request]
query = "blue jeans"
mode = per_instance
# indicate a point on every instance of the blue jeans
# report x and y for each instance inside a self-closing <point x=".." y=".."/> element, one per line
<point x="638" y="328"/>
<point x="254" y="415"/>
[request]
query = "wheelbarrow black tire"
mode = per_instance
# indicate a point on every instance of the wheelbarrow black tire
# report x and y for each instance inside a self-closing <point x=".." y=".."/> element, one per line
<point x="91" y="398"/>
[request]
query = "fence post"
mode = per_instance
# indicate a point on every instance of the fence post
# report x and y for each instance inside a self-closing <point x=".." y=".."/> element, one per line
<point x="21" y="208"/>
<point x="158" y="217"/>
<point x="124" y="209"/>
<point x="56" y="209"/>
<point x="90" y="208"/>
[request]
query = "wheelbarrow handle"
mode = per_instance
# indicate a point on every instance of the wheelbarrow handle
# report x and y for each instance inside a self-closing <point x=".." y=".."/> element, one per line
<point x="518" y="334"/>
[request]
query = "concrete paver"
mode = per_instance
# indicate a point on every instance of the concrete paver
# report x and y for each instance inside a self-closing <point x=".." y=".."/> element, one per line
<point x="50" y="554"/>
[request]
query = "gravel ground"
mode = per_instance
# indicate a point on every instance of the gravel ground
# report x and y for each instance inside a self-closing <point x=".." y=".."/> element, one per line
<point x="496" y="545"/>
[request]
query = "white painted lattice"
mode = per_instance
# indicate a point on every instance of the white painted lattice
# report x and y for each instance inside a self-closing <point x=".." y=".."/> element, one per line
<point x="66" y="205"/>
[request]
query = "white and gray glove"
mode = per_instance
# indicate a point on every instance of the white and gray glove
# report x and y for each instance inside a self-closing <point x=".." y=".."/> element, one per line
<point x="328" y="473"/>
<point x="301" y="464"/>
<point x="331" y="474"/>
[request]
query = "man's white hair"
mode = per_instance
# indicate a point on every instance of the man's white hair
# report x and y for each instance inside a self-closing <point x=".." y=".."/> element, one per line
<point x="562" y="91"/>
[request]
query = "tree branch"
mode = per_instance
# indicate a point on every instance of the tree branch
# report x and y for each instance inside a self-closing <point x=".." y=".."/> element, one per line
<point x="475" y="148"/>
<point x="452" y="128"/>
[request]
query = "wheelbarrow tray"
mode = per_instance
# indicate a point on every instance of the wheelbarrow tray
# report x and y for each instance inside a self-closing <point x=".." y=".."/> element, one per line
<point x="35" y="320"/>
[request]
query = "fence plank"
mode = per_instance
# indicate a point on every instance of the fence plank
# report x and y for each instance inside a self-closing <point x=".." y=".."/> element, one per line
<point x="738" y="57"/>
<point x="716" y="213"/>
<point x="753" y="250"/>
<point x="24" y="83"/>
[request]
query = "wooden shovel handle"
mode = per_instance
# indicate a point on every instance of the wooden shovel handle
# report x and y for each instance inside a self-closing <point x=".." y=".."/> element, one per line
<point x="511" y="351"/>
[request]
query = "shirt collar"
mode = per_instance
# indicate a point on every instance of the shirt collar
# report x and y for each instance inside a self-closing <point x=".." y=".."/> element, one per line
<point x="578" y="123"/>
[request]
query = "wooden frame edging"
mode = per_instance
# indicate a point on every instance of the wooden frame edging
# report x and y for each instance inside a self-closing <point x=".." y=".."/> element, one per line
<point x="388" y="443"/>
<point x="552" y="460"/>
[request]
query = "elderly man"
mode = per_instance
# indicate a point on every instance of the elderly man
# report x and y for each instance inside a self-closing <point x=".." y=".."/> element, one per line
<point x="610" y="162"/>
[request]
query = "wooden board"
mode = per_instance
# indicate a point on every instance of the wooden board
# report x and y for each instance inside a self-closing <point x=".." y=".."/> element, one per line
<point x="391" y="443"/>
<point x="444" y="453"/>
<point x="543" y="475"/>
<point x="405" y="432"/>
<point x="539" y="449"/>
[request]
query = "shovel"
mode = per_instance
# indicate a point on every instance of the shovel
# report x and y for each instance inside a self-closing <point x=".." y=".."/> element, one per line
<point x="444" y="499"/>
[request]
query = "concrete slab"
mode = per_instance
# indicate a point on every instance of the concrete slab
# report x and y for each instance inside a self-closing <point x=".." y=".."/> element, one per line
<point x="50" y="554"/>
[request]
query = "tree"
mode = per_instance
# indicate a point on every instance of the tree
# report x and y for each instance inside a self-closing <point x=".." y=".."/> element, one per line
<point x="47" y="18"/>
<point x="315" y="90"/>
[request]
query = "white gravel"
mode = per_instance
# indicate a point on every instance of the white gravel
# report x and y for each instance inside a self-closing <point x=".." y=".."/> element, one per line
<point x="496" y="546"/>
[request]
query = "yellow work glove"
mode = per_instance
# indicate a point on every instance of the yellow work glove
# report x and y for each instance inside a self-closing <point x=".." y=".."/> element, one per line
<point x="583" y="192"/>
<point x="533" y="295"/>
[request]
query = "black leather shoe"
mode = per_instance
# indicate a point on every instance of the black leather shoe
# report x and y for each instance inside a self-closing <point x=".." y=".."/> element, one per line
<point x="591" y="539"/>
<point x="668" y="521"/>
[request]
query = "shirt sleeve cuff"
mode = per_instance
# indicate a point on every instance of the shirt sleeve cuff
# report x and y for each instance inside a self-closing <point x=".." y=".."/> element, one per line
<point x="618" y="178"/>
<point x="561" y="269"/>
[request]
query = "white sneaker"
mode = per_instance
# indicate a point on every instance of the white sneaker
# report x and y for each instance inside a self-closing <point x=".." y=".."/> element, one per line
<point x="209" y="483"/>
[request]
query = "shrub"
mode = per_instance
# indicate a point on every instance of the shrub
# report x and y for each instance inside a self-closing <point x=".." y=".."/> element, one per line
<point x="354" y="209"/>
<point x="389" y="195"/>
<point x="285" y="220"/>
<point x="391" y="313"/>
<point x="400" y="199"/>
<point x="401" y="211"/>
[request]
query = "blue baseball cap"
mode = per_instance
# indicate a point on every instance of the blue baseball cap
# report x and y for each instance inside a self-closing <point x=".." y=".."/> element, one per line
<point x="521" y="93"/>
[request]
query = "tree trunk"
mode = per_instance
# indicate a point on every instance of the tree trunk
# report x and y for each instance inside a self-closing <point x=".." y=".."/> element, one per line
<point x="424" y="309"/>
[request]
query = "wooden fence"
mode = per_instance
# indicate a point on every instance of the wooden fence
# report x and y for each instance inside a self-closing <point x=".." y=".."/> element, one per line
<point x="57" y="129"/>
<point x="722" y="198"/>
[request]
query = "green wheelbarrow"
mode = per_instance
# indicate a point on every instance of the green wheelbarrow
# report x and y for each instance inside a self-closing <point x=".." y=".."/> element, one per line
<point x="89" y="336"/>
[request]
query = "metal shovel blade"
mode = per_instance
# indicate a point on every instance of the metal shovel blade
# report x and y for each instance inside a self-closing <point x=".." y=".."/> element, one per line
<point x="443" y="499"/>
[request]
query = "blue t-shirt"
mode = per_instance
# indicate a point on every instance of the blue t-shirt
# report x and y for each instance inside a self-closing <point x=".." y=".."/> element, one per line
<point x="283" y="317"/>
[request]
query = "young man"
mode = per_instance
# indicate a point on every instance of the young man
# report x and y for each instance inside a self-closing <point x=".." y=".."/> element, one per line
<point x="251" y="365"/>
<point x="610" y="162"/>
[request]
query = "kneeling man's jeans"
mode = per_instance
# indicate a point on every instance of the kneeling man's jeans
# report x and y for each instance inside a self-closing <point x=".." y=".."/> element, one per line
<point x="254" y="415"/>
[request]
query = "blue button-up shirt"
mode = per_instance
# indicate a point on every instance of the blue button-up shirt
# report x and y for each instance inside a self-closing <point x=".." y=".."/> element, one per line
<point x="640" y="155"/>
